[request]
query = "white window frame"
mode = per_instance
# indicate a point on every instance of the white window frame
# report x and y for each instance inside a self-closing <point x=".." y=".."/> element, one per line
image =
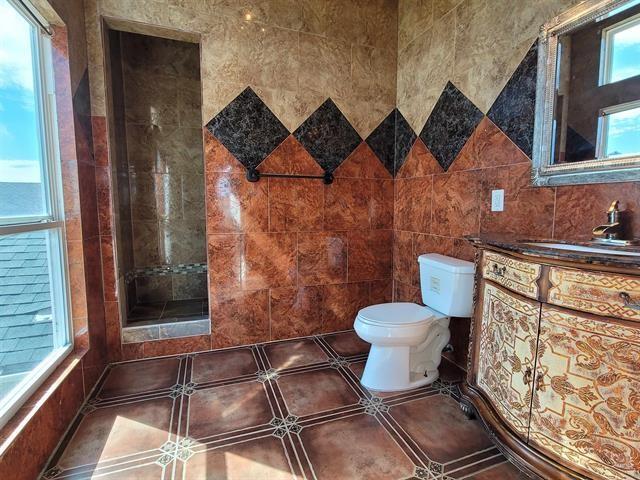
<point x="52" y="222"/>
<point x="603" y="125"/>
<point x="606" y="50"/>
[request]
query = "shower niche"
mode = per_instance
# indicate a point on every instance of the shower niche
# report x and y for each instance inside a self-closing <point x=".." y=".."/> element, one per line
<point x="154" y="114"/>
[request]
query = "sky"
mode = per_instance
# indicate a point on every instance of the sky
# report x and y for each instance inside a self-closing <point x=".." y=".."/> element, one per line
<point x="624" y="127"/>
<point x="19" y="152"/>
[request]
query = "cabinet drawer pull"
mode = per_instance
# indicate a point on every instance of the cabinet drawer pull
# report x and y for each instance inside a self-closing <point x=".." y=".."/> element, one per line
<point x="539" y="382"/>
<point x="498" y="271"/>
<point x="628" y="302"/>
<point x="526" y="378"/>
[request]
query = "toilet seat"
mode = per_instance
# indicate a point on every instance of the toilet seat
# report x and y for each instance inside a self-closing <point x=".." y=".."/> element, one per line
<point x="397" y="315"/>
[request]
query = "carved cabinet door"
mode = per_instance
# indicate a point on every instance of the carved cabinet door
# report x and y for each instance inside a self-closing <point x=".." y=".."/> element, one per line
<point x="586" y="400"/>
<point x="507" y="346"/>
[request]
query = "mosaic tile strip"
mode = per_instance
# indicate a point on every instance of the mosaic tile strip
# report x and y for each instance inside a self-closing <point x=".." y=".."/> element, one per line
<point x="328" y="136"/>
<point x="248" y="128"/>
<point x="514" y="109"/>
<point x="163" y="270"/>
<point x="451" y="123"/>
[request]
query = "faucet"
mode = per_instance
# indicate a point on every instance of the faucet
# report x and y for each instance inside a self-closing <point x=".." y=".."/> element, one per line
<point x="614" y="230"/>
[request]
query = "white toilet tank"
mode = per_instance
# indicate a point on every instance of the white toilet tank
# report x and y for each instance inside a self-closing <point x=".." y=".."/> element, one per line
<point x="447" y="284"/>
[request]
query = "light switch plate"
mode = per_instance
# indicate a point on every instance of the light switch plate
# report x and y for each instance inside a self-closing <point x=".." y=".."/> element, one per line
<point x="497" y="200"/>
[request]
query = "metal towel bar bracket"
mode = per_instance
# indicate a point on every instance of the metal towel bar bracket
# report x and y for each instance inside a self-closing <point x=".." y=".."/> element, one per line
<point x="254" y="175"/>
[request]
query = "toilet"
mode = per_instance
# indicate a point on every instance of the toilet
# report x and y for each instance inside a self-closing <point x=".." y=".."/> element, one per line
<point x="407" y="339"/>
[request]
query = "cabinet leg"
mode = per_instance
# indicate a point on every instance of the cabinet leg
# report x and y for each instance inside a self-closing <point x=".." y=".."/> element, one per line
<point x="467" y="409"/>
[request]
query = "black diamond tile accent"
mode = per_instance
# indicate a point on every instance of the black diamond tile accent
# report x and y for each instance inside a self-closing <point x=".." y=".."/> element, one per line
<point x="450" y="125"/>
<point x="382" y="141"/>
<point x="248" y="129"/>
<point x="328" y="136"/>
<point x="405" y="138"/>
<point x="514" y="109"/>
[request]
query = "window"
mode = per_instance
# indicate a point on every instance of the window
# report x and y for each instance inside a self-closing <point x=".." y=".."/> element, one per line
<point x="34" y="300"/>
<point x="618" y="129"/>
<point x="620" y="51"/>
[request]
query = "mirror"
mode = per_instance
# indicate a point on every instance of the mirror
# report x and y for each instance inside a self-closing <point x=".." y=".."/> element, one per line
<point x="587" y="126"/>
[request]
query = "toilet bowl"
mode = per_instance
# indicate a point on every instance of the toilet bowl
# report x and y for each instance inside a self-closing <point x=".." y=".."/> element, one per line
<point x="407" y="339"/>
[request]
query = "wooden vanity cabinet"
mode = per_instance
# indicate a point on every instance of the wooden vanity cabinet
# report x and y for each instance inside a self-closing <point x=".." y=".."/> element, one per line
<point x="557" y="385"/>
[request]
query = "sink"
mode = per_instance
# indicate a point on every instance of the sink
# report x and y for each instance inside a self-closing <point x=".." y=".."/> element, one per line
<point x="586" y="249"/>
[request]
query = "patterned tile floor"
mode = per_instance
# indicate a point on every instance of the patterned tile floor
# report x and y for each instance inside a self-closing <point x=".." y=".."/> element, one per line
<point x="284" y="410"/>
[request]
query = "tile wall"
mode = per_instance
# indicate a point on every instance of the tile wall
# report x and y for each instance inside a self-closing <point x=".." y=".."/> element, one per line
<point x="161" y="180"/>
<point x="28" y="439"/>
<point x="466" y="83"/>
<point x="286" y="86"/>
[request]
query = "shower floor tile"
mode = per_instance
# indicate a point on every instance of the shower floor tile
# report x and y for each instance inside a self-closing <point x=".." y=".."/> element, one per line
<point x="283" y="410"/>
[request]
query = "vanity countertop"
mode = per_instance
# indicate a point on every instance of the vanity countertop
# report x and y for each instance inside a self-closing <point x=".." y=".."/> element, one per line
<point x="626" y="257"/>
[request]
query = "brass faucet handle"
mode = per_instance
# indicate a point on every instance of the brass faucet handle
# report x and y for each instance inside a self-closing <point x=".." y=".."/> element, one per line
<point x="614" y="206"/>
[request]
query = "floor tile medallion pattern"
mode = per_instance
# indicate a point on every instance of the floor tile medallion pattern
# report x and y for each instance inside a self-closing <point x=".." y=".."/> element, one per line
<point x="283" y="410"/>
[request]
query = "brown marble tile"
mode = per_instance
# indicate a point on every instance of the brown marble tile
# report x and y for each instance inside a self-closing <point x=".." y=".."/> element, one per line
<point x="414" y="200"/>
<point x="227" y="408"/>
<point x="144" y="472"/>
<point x="295" y="205"/>
<point x="296" y="311"/>
<point x="488" y="147"/>
<point x="456" y="203"/>
<point x="405" y="263"/>
<point x="269" y="260"/>
<point x="225" y="254"/>
<point x="100" y="141"/>
<point x="261" y="458"/>
<point x="347" y="344"/>
<point x="112" y="329"/>
<point x="346" y="204"/>
<point x="176" y="346"/>
<point x="436" y="424"/>
<point x="322" y="258"/>
<point x="341" y="305"/>
<point x="355" y="447"/>
<point x="103" y="192"/>
<point x="138" y="377"/>
<point x="235" y="205"/>
<point x="131" y="351"/>
<point x="294" y="353"/>
<point x="108" y="268"/>
<point x="116" y="431"/>
<point x="527" y="211"/>
<point x="78" y="293"/>
<point x="217" y="158"/>
<point x="423" y="243"/>
<point x="419" y="162"/>
<point x="381" y="291"/>
<point x="239" y="317"/>
<point x="290" y="157"/>
<point x="403" y="292"/>
<point x="381" y="205"/>
<point x="370" y="255"/>
<point x="503" y="471"/>
<point x="362" y="163"/>
<point x="88" y="200"/>
<point x="316" y="391"/>
<point x="213" y="366"/>
<point x="463" y="249"/>
<point x="580" y="208"/>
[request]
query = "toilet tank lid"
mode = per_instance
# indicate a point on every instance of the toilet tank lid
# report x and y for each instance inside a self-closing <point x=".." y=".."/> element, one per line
<point x="448" y="264"/>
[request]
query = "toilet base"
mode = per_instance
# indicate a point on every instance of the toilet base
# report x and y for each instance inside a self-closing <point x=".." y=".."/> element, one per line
<point x="392" y="368"/>
<point x="388" y="370"/>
